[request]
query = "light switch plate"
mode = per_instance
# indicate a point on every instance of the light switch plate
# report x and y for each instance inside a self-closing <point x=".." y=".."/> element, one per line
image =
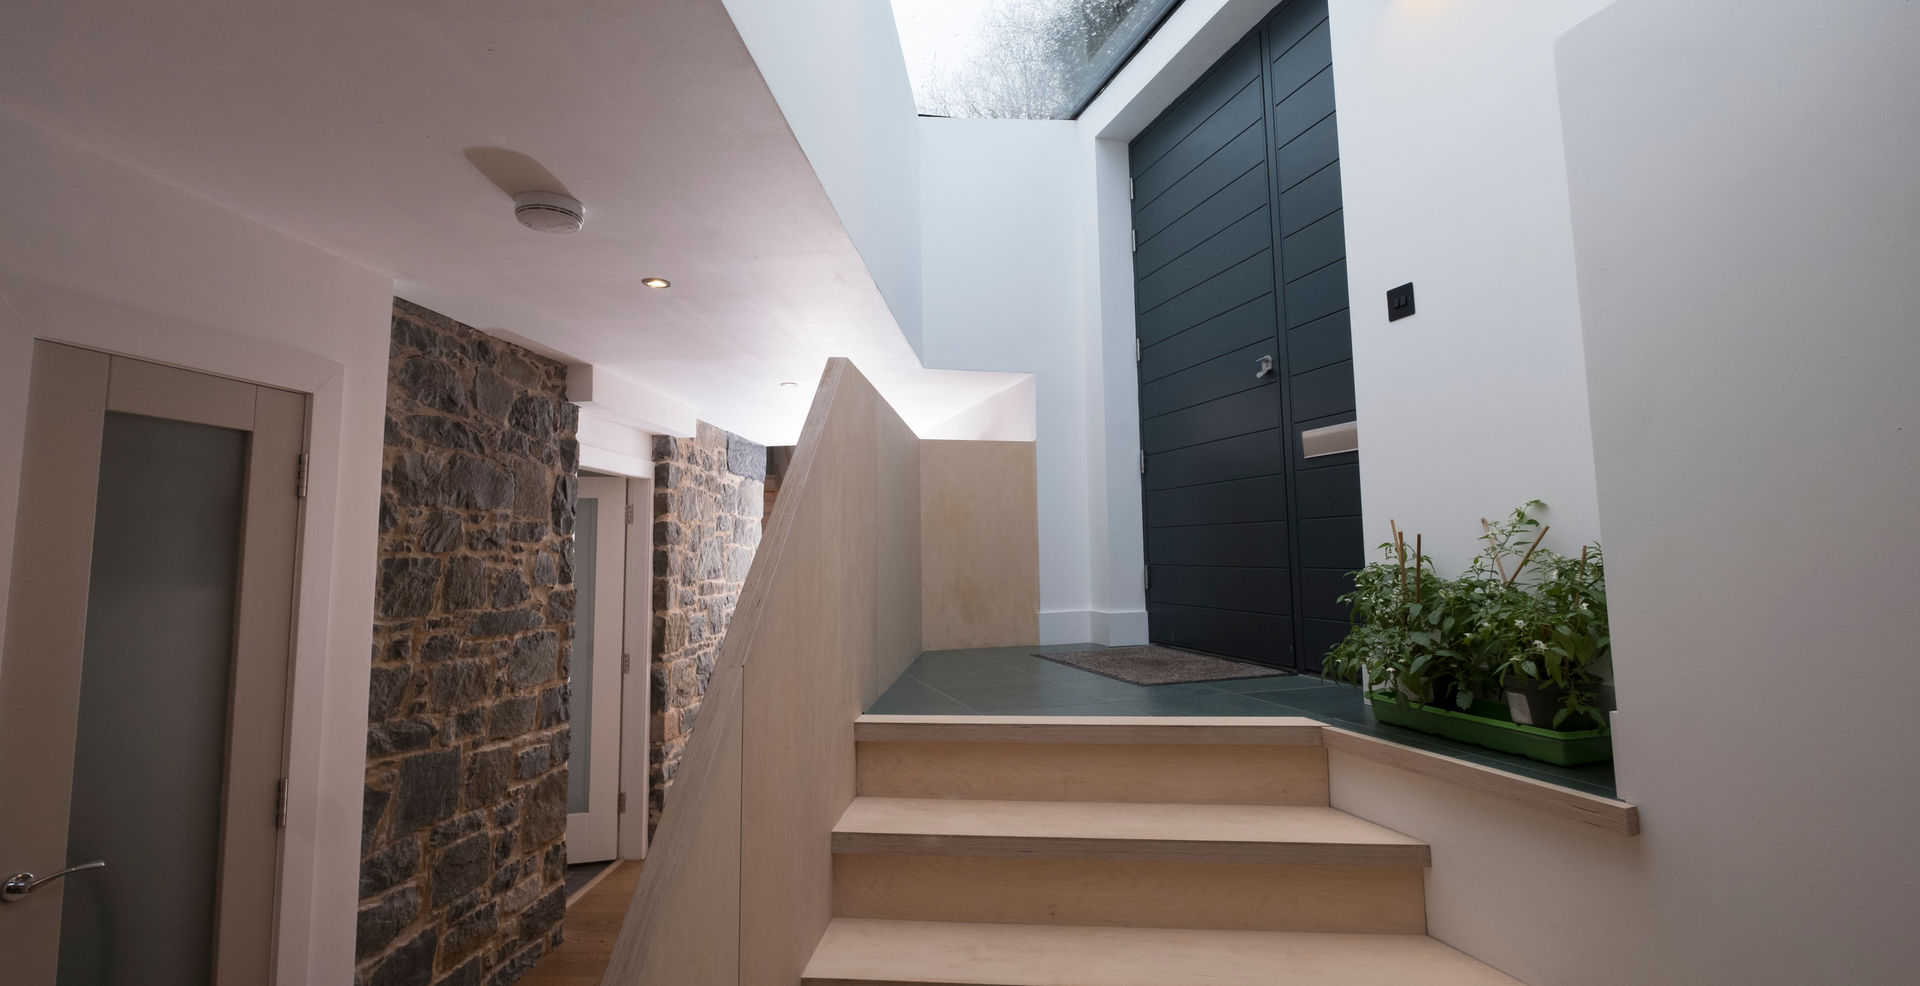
<point x="1400" y="302"/>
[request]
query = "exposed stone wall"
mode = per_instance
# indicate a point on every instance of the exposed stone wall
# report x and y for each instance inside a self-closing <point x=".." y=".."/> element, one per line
<point x="707" y="502"/>
<point x="463" y="869"/>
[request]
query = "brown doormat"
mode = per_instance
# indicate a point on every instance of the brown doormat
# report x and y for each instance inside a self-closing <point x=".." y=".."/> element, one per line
<point x="1156" y="665"/>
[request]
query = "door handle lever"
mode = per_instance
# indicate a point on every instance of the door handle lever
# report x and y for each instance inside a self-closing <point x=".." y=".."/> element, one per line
<point x="1262" y="367"/>
<point x="21" y="884"/>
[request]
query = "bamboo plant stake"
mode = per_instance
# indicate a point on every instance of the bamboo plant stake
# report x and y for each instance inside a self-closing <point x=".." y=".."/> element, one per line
<point x="1493" y="550"/>
<point x="1416" y="567"/>
<point x="1544" y="528"/>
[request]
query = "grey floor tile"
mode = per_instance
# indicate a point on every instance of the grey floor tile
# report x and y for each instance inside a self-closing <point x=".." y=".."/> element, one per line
<point x="911" y="696"/>
<point x="1159" y="701"/>
<point x="950" y="671"/>
<point x="1285" y="682"/>
<point x="1021" y="699"/>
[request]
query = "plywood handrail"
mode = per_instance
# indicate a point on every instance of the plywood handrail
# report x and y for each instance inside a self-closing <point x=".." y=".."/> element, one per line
<point x="737" y="884"/>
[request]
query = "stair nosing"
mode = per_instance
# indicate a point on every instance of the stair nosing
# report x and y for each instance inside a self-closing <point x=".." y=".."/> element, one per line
<point x="952" y="968"/>
<point x="1176" y="730"/>
<point x="866" y="840"/>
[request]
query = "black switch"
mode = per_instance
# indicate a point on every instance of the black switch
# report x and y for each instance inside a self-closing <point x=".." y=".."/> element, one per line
<point x="1400" y="302"/>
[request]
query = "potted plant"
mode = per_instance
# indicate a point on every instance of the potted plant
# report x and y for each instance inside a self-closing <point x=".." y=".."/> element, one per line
<point x="1508" y="655"/>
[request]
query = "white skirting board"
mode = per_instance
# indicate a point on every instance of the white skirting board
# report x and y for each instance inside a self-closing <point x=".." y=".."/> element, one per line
<point x="1093" y="626"/>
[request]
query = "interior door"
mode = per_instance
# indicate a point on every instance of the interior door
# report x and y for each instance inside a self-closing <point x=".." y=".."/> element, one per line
<point x="1244" y="344"/>
<point x="143" y="685"/>
<point x="594" y="672"/>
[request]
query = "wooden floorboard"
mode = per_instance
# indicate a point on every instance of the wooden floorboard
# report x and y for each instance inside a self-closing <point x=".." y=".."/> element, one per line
<point x="592" y="925"/>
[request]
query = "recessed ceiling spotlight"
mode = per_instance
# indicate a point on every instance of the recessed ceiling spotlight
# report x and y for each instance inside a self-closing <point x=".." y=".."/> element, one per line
<point x="789" y="384"/>
<point x="657" y="283"/>
<point x="549" y="212"/>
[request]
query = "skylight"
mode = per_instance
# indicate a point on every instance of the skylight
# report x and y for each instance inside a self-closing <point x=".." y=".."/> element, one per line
<point x="1018" y="59"/>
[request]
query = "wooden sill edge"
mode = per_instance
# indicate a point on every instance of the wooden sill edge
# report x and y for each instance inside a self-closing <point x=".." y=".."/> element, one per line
<point x="1590" y="809"/>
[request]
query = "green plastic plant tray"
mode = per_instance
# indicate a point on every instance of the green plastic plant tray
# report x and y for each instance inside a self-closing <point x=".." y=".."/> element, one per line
<point x="1568" y="749"/>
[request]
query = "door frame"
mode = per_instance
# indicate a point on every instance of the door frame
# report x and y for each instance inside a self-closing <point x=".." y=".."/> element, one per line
<point x="596" y="831"/>
<point x="333" y="603"/>
<point x="72" y="392"/>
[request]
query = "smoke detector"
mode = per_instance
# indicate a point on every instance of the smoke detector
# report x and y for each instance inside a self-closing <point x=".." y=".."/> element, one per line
<point x="549" y="212"/>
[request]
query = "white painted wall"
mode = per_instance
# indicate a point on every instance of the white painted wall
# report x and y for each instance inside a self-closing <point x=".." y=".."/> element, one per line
<point x="837" y="71"/>
<point x="1001" y="216"/>
<point x="1453" y="178"/>
<point x="97" y="255"/>
<point x="1746" y="218"/>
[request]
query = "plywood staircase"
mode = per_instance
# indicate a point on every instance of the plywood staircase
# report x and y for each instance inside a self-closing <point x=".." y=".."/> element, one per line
<point x="1065" y="851"/>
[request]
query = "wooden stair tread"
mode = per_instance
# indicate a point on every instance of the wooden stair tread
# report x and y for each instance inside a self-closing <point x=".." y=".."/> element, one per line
<point x="1214" y="730"/>
<point x="857" y="952"/>
<point x="1090" y="829"/>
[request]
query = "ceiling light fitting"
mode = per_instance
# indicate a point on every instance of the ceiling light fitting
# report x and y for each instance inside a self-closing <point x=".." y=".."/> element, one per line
<point x="789" y="384"/>
<point x="549" y="212"/>
<point x="657" y="283"/>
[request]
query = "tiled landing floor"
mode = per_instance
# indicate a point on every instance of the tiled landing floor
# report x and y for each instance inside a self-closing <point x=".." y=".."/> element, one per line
<point x="1011" y="681"/>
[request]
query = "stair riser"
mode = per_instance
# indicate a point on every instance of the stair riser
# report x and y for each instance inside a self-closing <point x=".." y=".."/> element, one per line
<point x="1141" y="773"/>
<point x="1132" y="893"/>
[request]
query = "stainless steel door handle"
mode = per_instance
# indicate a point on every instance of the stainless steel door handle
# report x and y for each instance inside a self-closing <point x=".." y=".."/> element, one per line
<point x="1262" y="367"/>
<point x="21" y="884"/>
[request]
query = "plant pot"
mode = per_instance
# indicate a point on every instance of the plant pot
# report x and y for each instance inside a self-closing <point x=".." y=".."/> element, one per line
<point x="1535" y="703"/>
<point x="1487" y="725"/>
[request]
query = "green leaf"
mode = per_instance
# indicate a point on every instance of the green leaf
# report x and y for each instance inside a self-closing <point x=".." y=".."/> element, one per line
<point x="1560" y="717"/>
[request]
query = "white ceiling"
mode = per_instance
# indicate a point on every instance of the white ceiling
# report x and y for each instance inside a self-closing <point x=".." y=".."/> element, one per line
<point x="348" y="123"/>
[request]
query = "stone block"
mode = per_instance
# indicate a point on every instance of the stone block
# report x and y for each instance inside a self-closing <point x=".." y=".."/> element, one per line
<point x="745" y="458"/>
<point x="533" y="762"/>
<point x="510" y="589"/>
<point x="462" y="867"/>
<point x="488" y="772"/>
<point x="492" y="396"/>
<point x="535" y="659"/>
<point x="386" y="687"/>
<point x="385" y="869"/>
<point x="500" y="622"/>
<point x="472" y="972"/>
<point x="465" y="584"/>
<point x="433" y="383"/>
<point x="399" y="736"/>
<point x="440" y="647"/>
<point x="409" y="965"/>
<point x="544" y="814"/>
<point x="408" y="585"/>
<point x="510" y="717"/>
<point x="429" y="789"/>
<point x="461" y="684"/>
<point x="476" y="484"/>
<point x="465" y="936"/>
<point x="383" y="920"/>
<point x="535" y="415"/>
<point x="544" y="913"/>
<point x="441" y="432"/>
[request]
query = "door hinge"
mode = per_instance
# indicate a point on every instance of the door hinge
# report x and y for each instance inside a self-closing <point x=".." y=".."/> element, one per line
<point x="1129" y="189"/>
<point x="623" y="802"/>
<point x="1134" y="235"/>
<point x="629" y="513"/>
<point x="626" y="664"/>
<point x="280" y="804"/>
<point x="300" y="475"/>
<point x="1136" y="349"/>
<point x="1143" y="462"/>
<point x="1146" y="576"/>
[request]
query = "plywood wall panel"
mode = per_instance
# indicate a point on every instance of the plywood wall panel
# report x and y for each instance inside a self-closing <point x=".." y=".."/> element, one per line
<point x="980" y="544"/>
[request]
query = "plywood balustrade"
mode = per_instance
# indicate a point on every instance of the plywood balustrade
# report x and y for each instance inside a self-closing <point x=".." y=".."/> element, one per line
<point x="738" y="885"/>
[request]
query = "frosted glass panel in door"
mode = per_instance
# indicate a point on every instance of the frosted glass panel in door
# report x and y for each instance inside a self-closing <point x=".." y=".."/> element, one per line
<point x="586" y="555"/>
<point x="149" y="754"/>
